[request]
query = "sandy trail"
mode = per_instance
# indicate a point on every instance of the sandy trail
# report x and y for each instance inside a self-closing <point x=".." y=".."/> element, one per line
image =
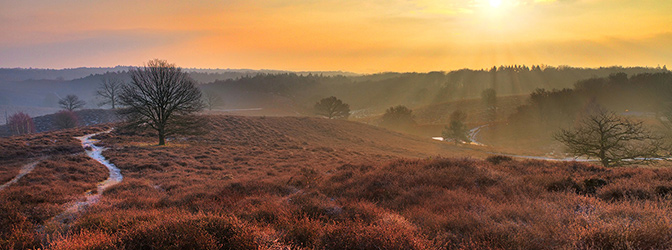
<point x="95" y="152"/>
<point x="24" y="171"/>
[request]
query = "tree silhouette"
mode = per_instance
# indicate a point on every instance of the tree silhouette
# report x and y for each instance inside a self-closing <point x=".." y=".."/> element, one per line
<point x="71" y="102"/>
<point x="614" y="140"/>
<point x="332" y="108"/>
<point x="109" y="90"/>
<point x="398" y="117"/>
<point x="457" y="131"/>
<point x="489" y="98"/>
<point x="212" y="100"/>
<point x="162" y="97"/>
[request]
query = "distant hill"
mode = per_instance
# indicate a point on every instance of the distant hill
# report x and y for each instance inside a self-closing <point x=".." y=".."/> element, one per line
<point x="87" y="117"/>
<point x="297" y="92"/>
<point x="22" y="74"/>
<point x="380" y="91"/>
<point x="201" y="75"/>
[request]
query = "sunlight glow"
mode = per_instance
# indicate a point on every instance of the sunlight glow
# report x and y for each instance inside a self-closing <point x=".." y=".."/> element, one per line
<point x="495" y="3"/>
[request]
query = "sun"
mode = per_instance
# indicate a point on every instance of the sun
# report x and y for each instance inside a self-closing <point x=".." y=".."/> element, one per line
<point x="495" y="3"/>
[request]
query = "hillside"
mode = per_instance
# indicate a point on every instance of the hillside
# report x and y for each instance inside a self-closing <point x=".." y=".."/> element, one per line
<point x="310" y="183"/>
<point x="86" y="117"/>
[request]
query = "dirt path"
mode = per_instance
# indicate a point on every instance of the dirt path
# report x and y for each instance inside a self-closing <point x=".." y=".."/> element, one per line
<point x="24" y="171"/>
<point x="115" y="177"/>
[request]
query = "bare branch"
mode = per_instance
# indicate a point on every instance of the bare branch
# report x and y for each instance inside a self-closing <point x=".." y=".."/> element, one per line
<point x="161" y="96"/>
<point x="613" y="139"/>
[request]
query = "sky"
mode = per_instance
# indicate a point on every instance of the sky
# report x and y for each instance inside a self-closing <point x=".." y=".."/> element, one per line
<point x="349" y="35"/>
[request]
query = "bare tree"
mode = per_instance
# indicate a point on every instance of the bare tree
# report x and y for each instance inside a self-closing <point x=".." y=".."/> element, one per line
<point x="162" y="97"/>
<point x="212" y="100"/>
<point x="109" y="91"/>
<point x="332" y="108"/>
<point x="71" y="102"/>
<point x="21" y="123"/>
<point x="613" y="139"/>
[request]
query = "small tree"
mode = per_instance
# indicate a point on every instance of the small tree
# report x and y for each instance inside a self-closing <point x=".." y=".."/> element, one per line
<point x="399" y="117"/>
<point x="109" y="91"/>
<point x="457" y="131"/>
<point x="21" y="123"/>
<point x="71" y="102"/>
<point x="162" y="97"/>
<point x="614" y="140"/>
<point x="489" y="98"/>
<point x="65" y="119"/>
<point x="212" y="100"/>
<point x="332" y="108"/>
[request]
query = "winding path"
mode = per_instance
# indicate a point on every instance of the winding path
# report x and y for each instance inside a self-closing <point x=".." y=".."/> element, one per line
<point x="95" y="152"/>
<point x="23" y="171"/>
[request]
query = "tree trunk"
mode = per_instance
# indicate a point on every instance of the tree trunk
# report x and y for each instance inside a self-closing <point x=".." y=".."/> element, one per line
<point x="603" y="158"/>
<point x="162" y="138"/>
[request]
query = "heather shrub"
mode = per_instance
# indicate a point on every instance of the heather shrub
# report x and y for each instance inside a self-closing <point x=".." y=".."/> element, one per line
<point x="625" y="190"/>
<point x="171" y="234"/>
<point x="563" y="185"/>
<point x="228" y="231"/>
<point x="363" y="211"/>
<point x="591" y="185"/>
<point x="357" y="235"/>
<point x="16" y="231"/>
<point x="497" y="159"/>
<point x="663" y="190"/>
<point x="302" y="232"/>
<point x="135" y="193"/>
<point x="115" y="221"/>
<point x="86" y="240"/>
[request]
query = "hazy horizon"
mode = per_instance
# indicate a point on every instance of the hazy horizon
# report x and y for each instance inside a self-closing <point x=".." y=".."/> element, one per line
<point x="352" y="36"/>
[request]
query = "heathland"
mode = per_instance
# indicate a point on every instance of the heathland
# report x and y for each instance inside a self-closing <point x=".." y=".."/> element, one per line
<point x="311" y="183"/>
<point x="291" y="180"/>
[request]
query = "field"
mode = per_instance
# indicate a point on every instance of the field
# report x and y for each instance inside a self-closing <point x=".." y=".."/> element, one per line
<point x="309" y="183"/>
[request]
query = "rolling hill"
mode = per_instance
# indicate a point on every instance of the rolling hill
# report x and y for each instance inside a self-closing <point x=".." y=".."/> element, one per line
<point x="311" y="183"/>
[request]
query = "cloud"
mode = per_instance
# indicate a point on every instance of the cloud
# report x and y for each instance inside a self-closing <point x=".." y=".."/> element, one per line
<point x="85" y="48"/>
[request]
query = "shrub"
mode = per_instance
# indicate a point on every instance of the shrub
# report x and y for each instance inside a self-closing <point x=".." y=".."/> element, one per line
<point x="564" y="185"/>
<point x="591" y="185"/>
<point x="86" y="240"/>
<point x="378" y="236"/>
<point x="65" y="119"/>
<point x="497" y="159"/>
<point x="171" y="234"/>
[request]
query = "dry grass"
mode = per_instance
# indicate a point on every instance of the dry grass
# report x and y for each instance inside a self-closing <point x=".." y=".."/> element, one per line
<point x="302" y="183"/>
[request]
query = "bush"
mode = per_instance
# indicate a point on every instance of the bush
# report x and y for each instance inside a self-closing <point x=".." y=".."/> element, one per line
<point x="497" y="159"/>
<point x="564" y="185"/>
<point x="385" y="235"/>
<point x="65" y="119"/>
<point x="86" y="240"/>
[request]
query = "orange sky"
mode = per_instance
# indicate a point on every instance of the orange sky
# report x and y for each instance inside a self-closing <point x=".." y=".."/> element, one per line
<point x="350" y="35"/>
